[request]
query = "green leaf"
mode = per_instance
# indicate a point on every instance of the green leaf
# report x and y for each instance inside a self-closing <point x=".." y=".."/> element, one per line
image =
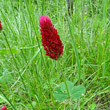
<point x="34" y="103"/>
<point x="59" y="95"/>
<point x="92" y="106"/>
<point x="77" y="91"/>
<point x="69" y="85"/>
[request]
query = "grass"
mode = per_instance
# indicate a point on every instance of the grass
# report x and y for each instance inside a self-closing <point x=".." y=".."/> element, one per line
<point x="28" y="77"/>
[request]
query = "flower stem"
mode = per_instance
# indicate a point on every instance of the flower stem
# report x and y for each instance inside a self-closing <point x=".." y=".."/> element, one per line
<point x="78" y="102"/>
<point x="66" y="85"/>
<point x="65" y="81"/>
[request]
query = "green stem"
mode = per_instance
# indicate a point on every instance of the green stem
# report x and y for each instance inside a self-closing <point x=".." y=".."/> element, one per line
<point x="66" y="85"/>
<point x="65" y="81"/>
<point x="78" y="107"/>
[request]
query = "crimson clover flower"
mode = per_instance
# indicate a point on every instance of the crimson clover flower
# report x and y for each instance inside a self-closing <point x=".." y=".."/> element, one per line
<point x="50" y="38"/>
<point x="3" y="108"/>
<point x="0" y="26"/>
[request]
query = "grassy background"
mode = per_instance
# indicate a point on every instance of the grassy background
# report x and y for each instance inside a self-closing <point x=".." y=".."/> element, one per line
<point x="28" y="77"/>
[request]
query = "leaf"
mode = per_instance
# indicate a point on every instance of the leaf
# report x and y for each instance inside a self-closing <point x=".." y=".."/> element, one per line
<point x="69" y="85"/>
<point x="93" y="106"/>
<point x="77" y="91"/>
<point x="59" y="95"/>
<point x="33" y="103"/>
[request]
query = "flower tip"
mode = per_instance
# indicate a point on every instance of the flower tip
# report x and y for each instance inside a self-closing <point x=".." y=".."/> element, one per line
<point x="3" y="108"/>
<point x="43" y="19"/>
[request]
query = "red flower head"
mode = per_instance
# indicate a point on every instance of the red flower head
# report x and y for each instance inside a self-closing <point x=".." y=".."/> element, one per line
<point x="0" y="26"/>
<point x="3" y="108"/>
<point x="50" y="38"/>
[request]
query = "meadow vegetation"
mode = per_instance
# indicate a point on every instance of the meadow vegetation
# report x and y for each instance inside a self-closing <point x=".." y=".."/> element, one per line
<point x="28" y="77"/>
